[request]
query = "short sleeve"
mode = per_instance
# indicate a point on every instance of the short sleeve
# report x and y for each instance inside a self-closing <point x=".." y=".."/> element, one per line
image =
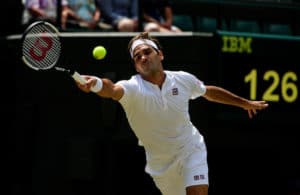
<point x="197" y="86"/>
<point x="130" y="87"/>
<point x="199" y="89"/>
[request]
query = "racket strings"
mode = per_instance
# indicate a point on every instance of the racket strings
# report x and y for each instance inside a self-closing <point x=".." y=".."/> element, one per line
<point x="41" y="46"/>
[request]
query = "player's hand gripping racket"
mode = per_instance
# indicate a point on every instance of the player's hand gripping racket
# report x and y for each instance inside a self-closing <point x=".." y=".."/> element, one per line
<point x="41" y="48"/>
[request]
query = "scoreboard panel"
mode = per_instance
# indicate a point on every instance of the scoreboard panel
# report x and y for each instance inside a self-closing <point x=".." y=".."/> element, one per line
<point x="262" y="67"/>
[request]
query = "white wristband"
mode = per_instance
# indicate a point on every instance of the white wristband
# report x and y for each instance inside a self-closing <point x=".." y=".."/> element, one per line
<point x="98" y="86"/>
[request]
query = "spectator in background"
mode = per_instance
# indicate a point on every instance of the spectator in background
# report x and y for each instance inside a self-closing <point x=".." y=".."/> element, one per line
<point x="45" y="10"/>
<point x="122" y="15"/>
<point x="158" y="16"/>
<point x="87" y="14"/>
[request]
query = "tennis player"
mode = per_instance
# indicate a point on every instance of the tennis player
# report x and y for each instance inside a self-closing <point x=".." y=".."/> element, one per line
<point x="156" y="105"/>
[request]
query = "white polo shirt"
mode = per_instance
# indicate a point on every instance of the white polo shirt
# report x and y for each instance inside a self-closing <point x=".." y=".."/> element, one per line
<point x="160" y="117"/>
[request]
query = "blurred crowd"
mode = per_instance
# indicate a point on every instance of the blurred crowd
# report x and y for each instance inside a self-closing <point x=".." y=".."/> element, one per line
<point x="102" y="15"/>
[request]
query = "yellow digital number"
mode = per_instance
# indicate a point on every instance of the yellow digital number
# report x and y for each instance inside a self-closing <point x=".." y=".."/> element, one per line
<point x="289" y="90"/>
<point x="269" y="94"/>
<point x="252" y="78"/>
<point x="288" y="86"/>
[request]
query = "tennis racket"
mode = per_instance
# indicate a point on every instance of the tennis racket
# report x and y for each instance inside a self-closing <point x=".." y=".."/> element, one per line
<point x="41" y="49"/>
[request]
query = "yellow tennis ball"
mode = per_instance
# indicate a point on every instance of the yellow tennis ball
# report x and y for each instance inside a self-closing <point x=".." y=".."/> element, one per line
<point x="99" y="52"/>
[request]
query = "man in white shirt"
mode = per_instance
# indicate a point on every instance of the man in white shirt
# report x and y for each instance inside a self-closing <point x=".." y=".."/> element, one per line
<point x="156" y="105"/>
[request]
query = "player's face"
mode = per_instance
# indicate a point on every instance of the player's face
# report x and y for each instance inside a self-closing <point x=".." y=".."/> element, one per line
<point x="147" y="60"/>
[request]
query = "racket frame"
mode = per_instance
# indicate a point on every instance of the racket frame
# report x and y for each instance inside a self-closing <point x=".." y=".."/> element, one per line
<point x="74" y="74"/>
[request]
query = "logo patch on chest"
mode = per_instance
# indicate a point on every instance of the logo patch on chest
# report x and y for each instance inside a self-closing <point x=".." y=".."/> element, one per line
<point x="175" y="91"/>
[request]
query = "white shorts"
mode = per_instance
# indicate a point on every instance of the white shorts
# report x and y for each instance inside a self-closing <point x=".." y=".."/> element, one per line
<point x="192" y="170"/>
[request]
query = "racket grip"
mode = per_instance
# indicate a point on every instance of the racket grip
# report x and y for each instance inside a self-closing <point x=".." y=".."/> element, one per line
<point x="77" y="77"/>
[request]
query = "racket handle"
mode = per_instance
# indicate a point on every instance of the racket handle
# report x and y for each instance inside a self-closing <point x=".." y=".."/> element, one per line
<point x="77" y="77"/>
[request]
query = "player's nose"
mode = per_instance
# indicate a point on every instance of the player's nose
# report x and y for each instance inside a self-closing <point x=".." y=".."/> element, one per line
<point x="144" y="58"/>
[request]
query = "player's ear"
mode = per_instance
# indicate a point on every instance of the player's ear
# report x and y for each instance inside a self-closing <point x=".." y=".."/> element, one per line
<point x="160" y="53"/>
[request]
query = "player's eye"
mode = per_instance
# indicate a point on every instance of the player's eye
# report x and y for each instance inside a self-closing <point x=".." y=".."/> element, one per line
<point x="137" y="57"/>
<point x="145" y="52"/>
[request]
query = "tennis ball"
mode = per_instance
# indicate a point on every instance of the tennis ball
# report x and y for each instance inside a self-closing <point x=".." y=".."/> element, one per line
<point x="99" y="52"/>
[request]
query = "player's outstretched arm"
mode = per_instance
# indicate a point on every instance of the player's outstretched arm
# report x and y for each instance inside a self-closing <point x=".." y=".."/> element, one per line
<point x="102" y="87"/>
<point x="221" y="95"/>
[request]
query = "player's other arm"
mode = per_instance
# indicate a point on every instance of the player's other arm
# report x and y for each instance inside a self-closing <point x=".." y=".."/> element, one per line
<point x="221" y="95"/>
<point x="106" y="89"/>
